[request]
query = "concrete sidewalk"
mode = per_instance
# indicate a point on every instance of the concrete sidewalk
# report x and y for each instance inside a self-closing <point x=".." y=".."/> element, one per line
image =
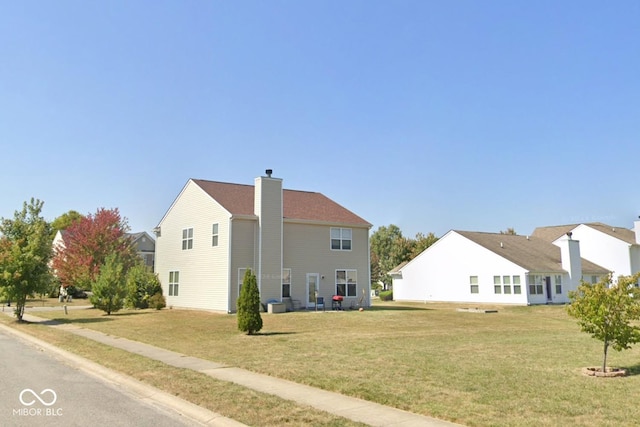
<point x="363" y="411"/>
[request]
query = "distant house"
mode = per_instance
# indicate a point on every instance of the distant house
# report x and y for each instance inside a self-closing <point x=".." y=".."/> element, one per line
<point x="143" y="243"/>
<point x="615" y="248"/>
<point x="476" y="267"/>
<point x="299" y="244"/>
<point x="145" y="246"/>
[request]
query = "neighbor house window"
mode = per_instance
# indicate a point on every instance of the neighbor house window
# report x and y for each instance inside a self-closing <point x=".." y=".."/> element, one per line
<point x="497" y="288"/>
<point x="516" y="285"/>
<point x="594" y="280"/>
<point x="241" y="273"/>
<point x="535" y="285"/>
<point x="558" y="280"/>
<point x="506" y="284"/>
<point x="341" y="239"/>
<point x="214" y="235"/>
<point x="473" y="283"/>
<point x="346" y="283"/>
<point x="286" y="282"/>
<point x="187" y="238"/>
<point x="174" y="283"/>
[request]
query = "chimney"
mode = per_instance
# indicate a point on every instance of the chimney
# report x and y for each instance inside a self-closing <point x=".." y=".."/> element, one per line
<point x="570" y="260"/>
<point x="268" y="209"/>
<point x="636" y="228"/>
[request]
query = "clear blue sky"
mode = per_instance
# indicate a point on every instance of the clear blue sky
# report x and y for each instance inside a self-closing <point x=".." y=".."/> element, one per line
<point x="431" y="115"/>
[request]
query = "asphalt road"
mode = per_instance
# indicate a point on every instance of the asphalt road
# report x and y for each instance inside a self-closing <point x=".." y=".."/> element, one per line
<point x="39" y="389"/>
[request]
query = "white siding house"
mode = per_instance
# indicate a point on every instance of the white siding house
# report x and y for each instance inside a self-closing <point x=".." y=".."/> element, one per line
<point x="300" y="244"/>
<point x="615" y="248"/>
<point x="473" y="267"/>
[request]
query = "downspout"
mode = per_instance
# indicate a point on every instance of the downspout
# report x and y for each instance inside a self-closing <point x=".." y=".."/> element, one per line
<point x="229" y="265"/>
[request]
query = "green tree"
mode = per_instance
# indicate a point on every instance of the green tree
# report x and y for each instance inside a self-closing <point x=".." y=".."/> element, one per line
<point x="422" y="242"/>
<point x="64" y="221"/>
<point x="110" y="289"/>
<point x="608" y="312"/>
<point x="142" y="284"/>
<point x="25" y="251"/>
<point x="388" y="249"/>
<point x="249" y="319"/>
<point x="510" y="230"/>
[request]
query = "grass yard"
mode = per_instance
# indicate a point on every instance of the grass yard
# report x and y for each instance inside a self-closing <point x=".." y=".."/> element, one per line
<point x="518" y="367"/>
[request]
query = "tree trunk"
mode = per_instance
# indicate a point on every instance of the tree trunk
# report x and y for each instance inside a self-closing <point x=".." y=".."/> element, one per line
<point x="604" y="360"/>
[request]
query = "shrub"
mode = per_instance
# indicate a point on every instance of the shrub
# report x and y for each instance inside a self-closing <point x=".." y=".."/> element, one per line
<point x="157" y="301"/>
<point x="249" y="319"/>
<point x="142" y="285"/>
<point x="110" y="289"/>
<point x="386" y="296"/>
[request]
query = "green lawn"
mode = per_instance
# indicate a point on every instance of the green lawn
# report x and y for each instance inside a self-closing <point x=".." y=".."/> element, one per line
<point x="518" y="367"/>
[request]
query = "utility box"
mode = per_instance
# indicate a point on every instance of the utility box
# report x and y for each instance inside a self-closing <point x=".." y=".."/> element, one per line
<point x="276" y="307"/>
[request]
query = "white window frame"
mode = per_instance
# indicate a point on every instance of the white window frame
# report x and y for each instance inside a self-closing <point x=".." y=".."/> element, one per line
<point x="506" y="284"/>
<point x="349" y="274"/>
<point x="187" y="239"/>
<point x="174" y="283"/>
<point x="474" y="288"/>
<point x="497" y="284"/>
<point x="286" y="281"/>
<point x="558" y="283"/>
<point x="517" y="288"/>
<point x="535" y="284"/>
<point x="214" y="234"/>
<point x="341" y="238"/>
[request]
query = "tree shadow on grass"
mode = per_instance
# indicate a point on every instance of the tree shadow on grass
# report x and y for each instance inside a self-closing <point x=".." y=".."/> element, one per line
<point x="632" y="370"/>
<point x="395" y="308"/>
<point x="267" y="334"/>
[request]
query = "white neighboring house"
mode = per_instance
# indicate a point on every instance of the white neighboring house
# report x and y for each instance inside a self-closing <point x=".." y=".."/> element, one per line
<point x="298" y="243"/>
<point x="476" y="267"/>
<point x="615" y="248"/>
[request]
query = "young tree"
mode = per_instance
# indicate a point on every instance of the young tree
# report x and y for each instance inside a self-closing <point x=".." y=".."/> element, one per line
<point x="25" y="251"/>
<point x="88" y="242"/>
<point x="110" y="289"/>
<point x="608" y="312"/>
<point x="142" y="285"/>
<point x="249" y="319"/>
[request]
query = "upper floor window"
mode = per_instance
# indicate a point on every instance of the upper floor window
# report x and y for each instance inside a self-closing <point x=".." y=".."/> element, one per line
<point x="341" y="239"/>
<point x="214" y="235"/>
<point x="187" y="238"/>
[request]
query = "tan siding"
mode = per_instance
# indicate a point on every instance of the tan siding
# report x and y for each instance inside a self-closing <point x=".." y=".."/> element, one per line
<point x="203" y="269"/>
<point x="268" y="206"/>
<point x="307" y="249"/>
<point x="243" y="254"/>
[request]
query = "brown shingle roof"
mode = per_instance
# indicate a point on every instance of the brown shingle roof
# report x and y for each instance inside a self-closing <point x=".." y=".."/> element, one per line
<point x="533" y="253"/>
<point x="299" y="205"/>
<point x="552" y="233"/>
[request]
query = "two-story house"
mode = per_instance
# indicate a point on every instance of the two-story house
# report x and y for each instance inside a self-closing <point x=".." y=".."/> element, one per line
<point x="301" y="245"/>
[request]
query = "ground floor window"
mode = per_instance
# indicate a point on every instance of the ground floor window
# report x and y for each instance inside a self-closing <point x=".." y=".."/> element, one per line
<point x="497" y="285"/>
<point x="558" y="282"/>
<point x="286" y="283"/>
<point x="516" y="285"/>
<point x="346" y="283"/>
<point x="174" y="283"/>
<point x="535" y="284"/>
<point x="473" y="283"/>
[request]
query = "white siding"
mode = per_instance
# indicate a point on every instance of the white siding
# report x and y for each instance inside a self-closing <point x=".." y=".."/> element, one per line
<point x="604" y="250"/>
<point x="203" y="270"/>
<point x="442" y="273"/>
<point x="268" y="208"/>
<point x="243" y="237"/>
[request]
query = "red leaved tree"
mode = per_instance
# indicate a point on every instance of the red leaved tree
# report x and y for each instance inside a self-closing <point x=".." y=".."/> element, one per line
<point x="87" y="243"/>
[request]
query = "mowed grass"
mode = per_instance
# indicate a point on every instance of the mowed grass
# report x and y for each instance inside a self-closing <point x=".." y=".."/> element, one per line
<point x="518" y="367"/>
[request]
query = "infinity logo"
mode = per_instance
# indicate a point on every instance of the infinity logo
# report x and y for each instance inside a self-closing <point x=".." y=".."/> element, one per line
<point x="37" y="397"/>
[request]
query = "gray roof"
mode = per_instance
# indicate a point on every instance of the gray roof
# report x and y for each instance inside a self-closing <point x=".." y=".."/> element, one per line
<point x="531" y="253"/>
<point x="552" y="233"/>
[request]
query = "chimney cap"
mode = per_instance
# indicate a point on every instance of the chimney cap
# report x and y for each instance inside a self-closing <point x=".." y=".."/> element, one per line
<point x="269" y="172"/>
